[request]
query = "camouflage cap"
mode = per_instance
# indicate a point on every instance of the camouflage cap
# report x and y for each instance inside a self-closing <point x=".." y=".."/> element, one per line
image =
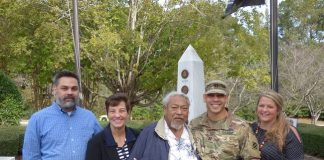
<point x="216" y="86"/>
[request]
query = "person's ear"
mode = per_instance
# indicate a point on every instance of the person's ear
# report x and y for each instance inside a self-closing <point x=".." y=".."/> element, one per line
<point x="54" y="90"/>
<point x="165" y="109"/>
<point x="204" y="97"/>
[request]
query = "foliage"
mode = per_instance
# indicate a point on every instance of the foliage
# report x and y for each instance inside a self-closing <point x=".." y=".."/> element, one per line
<point x="147" y="113"/>
<point x="11" y="140"/>
<point x="10" y="102"/>
<point x="133" y="46"/>
<point x="8" y="88"/>
<point x="128" y="59"/>
<point x="10" y="111"/>
<point x="302" y="20"/>
<point x="38" y="38"/>
<point x="313" y="139"/>
<point x="140" y="113"/>
<point x="247" y="113"/>
<point x="233" y="50"/>
<point x="301" y="59"/>
<point x="302" y="113"/>
<point x="138" y="125"/>
<point x="11" y="137"/>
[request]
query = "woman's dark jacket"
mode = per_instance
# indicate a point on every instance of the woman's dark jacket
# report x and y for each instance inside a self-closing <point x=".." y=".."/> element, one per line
<point x="103" y="146"/>
<point x="293" y="149"/>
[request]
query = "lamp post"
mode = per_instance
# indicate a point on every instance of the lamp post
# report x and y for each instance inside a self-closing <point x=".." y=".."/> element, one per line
<point x="76" y="43"/>
<point x="274" y="44"/>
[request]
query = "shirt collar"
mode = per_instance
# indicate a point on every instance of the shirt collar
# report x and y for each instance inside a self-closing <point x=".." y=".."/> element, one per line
<point x="109" y="139"/>
<point x="169" y="133"/>
<point x="220" y="124"/>
<point x="59" y="109"/>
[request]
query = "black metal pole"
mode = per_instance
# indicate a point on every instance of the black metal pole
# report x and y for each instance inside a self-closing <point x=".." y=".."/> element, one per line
<point x="274" y="44"/>
<point x="76" y="39"/>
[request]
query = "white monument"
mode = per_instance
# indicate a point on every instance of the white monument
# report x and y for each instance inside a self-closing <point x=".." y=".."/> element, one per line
<point x="191" y="81"/>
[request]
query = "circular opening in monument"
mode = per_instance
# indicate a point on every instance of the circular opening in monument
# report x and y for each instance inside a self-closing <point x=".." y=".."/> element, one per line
<point x="184" y="74"/>
<point x="184" y="89"/>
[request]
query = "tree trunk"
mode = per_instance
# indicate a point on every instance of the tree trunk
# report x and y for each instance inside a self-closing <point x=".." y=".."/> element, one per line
<point x="133" y="13"/>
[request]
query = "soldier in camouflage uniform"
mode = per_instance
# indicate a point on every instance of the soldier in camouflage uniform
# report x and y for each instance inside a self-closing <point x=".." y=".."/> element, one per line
<point x="220" y="135"/>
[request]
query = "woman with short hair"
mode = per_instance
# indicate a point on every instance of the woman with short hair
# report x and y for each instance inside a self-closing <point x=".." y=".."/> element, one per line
<point x="116" y="141"/>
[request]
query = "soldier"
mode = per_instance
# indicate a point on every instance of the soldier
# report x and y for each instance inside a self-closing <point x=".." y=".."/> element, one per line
<point x="218" y="134"/>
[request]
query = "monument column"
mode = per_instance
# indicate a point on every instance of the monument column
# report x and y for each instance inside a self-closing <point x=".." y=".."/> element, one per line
<point x="191" y="81"/>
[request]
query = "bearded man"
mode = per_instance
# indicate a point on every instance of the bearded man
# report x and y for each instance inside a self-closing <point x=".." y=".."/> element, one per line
<point x="169" y="138"/>
<point x="63" y="129"/>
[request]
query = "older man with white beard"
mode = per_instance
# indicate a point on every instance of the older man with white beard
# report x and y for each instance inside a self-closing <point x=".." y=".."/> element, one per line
<point x="169" y="138"/>
<point x="62" y="130"/>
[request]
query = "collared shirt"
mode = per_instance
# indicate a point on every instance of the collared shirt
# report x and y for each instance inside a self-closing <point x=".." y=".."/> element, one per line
<point x="55" y="135"/>
<point x="229" y="138"/>
<point x="123" y="152"/>
<point x="103" y="145"/>
<point x="179" y="149"/>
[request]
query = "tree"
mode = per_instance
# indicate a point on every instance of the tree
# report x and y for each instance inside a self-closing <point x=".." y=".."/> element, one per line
<point x="301" y="20"/>
<point x="301" y="77"/>
<point x="315" y="105"/>
<point x="128" y="52"/>
<point x="235" y="53"/>
<point x="38" y="38"/>
<point x="133" y="46"/>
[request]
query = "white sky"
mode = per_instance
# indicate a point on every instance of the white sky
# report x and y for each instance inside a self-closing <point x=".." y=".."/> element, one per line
<point x="261" y="8"/>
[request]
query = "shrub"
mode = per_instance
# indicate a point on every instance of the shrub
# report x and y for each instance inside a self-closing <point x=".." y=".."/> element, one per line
<point x="147" y="113"/>
<point x="11" y="137"/>
<point x="11" y="140"/>
<point x="313" y="139"/>
<point x="10" y="111"/>
<point x="10" y="102"/>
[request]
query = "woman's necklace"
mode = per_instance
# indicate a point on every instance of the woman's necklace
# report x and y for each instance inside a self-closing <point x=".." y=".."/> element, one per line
<point x="259" y="136"/>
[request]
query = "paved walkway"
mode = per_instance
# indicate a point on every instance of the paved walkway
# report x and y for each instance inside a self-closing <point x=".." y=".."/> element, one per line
<point x="7" y="158"/>
<point x="308" y="157"/>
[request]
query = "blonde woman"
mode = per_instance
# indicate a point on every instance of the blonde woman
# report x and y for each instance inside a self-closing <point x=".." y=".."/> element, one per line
<point x="278" y="140"/>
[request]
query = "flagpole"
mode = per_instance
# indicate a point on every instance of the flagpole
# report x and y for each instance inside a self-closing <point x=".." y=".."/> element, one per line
<point x="274" y="45"/>
<point x="76" y="39"/>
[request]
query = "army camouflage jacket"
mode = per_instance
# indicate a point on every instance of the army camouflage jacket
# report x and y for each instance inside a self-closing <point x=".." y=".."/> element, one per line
<point x="227" y="139"/>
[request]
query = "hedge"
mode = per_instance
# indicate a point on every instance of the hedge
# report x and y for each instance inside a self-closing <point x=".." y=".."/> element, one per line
<point x="313" y="139"/>
<point x="11" y="138"/>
